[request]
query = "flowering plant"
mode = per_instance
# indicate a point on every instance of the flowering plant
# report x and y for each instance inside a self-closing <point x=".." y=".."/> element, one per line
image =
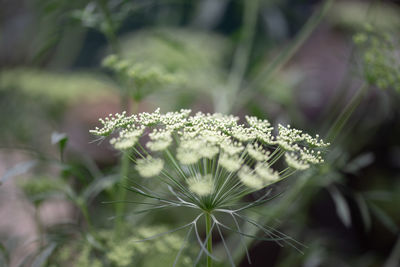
<point x="210" y="162"/>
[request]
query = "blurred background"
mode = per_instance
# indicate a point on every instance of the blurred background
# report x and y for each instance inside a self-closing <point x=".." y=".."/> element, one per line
<point x="311" y="64"/>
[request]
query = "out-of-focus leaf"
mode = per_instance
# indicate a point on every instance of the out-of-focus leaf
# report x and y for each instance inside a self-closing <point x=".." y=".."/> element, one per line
<point x="41" y="259"/>
<point x="38" y="189"/>
<point x="92" y="240"/>
<point x="384" y="218"/>
<point x="359" y="162"/>
<point x="59" y="87"/>
<point x="58" y="138"/>
<point x="61" y="139"/>
<point x="365" y="214"/>
<point x="354" y="14"/>
<point x="342" y="208"/>
<point x="379" y="195"/>
<point x="18" y="169"/>
<point x="25" y="262"/>
<point x="99" y="185"/>
<point x="70" y="193"/>
<point x="394" y="257"/>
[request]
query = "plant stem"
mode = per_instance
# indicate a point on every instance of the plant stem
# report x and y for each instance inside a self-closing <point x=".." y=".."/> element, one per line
<point x="85" y="214"/>
<point x="39" y="225"/>
<point x="270" y="69"/>
<point x="110" y="29"/>
<point x="346" y="113"/>
<point x="224" y="102"/>
<point x="209" y="238"/>
<point x="121" y="192"/>
<point x="84" y="209"/>
<point x="110" y="33"/>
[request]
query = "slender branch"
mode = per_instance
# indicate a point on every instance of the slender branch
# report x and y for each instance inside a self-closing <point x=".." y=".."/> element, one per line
<point x="110" y="30"/>
<point x="346" y="113"/>
<point x="270" y="69"/>
<point x="224" y="99"/>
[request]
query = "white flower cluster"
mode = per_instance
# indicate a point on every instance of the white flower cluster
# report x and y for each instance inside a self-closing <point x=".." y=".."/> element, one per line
<point x="202" y="186"/>
<point x="211" y="152"/>
<point x="149" y="167"/>
<point x="112" y="122"/>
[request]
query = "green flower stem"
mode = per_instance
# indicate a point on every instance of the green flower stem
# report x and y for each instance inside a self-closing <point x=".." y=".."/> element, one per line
<point x="110" y="33"/>
<point x="110" y="28"/>
<point x="270" y="69"/>
<point x="121" y="192"/>
<point x="83" y="208"/>
<point x="346" y="113"/>
<point x="209" y="236"/>
<point x="241" y="57"/>
<point x="39" y="225"/>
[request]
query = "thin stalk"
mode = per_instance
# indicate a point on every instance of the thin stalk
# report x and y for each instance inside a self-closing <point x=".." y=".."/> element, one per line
<point x="394" y="257"/>
<point x="241" y="58"/>
<point x="84" y="209"/>
<point x="270" y="69"/>
<point x="209" y="238"/>
<point x="39" y="225"/>
<point x="110" y="29"/>
<point x="121" y="192"/>
<point x="85" y="212"/>
<point x="346" y="113"/>
<point x="110" y="33"/>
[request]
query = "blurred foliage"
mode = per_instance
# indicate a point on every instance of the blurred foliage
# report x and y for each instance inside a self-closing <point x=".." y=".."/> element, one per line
<point x="39" y="189"/>
<point x="105" y="15"/>
<point x="381" y="57"/>
<point x="58" y="87"/>
<point x="197" y="58"/>
<point x="345" y="213"/>
<point x="354" y="14"/>
<point x="139" y="79"/>
<point x="127" y="251"/>
<point x="35" y="99"/>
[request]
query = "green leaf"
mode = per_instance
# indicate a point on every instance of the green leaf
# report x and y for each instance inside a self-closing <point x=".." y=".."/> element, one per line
<point x="92" y="241"/>
<point x="61" y="139"/>
<point x="379" y="195"/>
<point x="18" y="169"/>
<point x="41" y="259"/>
<point x="384" y="218"/>
<point x="359" y="162"/>
<point x="342" y="208"/>
<point x="365" y="214"/>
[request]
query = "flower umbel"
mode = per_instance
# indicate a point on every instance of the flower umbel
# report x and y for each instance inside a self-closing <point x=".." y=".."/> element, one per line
<point x="209" y="162"/>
